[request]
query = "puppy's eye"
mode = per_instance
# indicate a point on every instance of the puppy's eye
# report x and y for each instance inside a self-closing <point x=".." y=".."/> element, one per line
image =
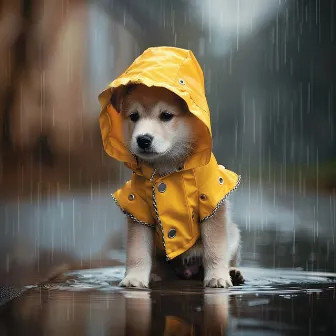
<point x="134" y="116"/>
<point x="166" y="116"/>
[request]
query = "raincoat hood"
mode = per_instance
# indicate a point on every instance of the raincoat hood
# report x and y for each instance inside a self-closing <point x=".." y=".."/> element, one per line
<point x="174" y="69"/>
<point x="177" y="203"/>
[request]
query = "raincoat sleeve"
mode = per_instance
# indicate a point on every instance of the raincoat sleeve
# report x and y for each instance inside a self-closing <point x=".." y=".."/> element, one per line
<point x="133" y="205"/>
<point x="212" y="194"/>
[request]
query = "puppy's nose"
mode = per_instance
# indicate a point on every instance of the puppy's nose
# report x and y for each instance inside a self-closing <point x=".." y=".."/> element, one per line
<point x="144" y="141"/>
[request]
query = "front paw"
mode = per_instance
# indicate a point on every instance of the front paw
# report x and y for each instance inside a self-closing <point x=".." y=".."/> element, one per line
<point x="134" y="281"/>
<point x="218" y="282"/>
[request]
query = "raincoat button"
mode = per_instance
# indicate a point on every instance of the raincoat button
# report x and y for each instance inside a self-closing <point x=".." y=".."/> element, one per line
<point x="181" y="81"/>
<point x="131" y="197"/>
<point x="162" y="187"/>
<point x="220" y="180"/>
<point x="203" y="197"/>
<point x="172" y="233"/>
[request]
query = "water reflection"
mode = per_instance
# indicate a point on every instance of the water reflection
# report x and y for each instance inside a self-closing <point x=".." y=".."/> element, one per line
<point x="73" y="305"/>
<point x="127" y="313"/>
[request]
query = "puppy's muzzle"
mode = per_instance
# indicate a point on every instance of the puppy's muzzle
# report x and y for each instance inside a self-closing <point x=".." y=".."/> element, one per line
<point x="144" y="141"/>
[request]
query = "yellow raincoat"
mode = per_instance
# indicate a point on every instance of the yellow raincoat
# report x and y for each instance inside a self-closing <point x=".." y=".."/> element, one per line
<point x="174" y="204"/>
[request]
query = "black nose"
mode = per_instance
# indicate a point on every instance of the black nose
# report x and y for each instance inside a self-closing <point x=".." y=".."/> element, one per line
<point x="144" y="141"/>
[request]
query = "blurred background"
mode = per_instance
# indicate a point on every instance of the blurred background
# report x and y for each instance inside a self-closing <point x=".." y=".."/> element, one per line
<point x="269" y="70"/>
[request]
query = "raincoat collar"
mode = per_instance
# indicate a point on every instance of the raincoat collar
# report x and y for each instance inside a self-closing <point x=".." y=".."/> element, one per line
<point x="149" y="173"/>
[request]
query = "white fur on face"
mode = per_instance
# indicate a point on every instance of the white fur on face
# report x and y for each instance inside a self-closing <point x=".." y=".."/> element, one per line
<point x="171" y="139"/>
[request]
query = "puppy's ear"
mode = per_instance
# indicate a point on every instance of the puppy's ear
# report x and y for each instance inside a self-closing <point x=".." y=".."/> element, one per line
<point x="116" y="98"/>
<point x="183" y="105"/>
<point x="119" y="94"/>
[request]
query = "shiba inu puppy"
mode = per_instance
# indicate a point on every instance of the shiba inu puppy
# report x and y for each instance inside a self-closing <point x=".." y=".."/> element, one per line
<point x="159" y="130"/>
<point x="177" y="187"/>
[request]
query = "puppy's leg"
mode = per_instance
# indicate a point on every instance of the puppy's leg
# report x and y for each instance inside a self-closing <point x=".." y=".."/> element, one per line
<point x="139" y="255"/>
<point x="234" y="251"/>
<point x="216" y="254"/>
<point x="234" y="244"/>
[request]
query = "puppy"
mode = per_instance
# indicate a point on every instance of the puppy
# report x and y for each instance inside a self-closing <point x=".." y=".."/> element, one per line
<point x="160" y="132"/>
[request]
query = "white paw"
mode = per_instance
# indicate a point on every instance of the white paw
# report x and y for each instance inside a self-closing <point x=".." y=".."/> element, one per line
<point x="134" y="281"/>
<point x="218" y="282"/>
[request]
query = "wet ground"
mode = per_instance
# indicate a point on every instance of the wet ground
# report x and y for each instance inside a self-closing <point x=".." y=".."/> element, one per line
<point x="288" y="261"/>
<point x="88" y="302"/>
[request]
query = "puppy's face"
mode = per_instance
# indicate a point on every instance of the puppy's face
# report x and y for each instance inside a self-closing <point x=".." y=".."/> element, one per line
<point x="156" y="123"/>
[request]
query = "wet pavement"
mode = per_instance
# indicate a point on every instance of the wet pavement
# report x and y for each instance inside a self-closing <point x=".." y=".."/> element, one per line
<point x="88" y="302"/>
<point x="288" y="261"/>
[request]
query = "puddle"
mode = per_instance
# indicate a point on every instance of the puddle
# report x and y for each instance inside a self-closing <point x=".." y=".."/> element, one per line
<point x="271" y="302"/>
<point x="258" y="280"/>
